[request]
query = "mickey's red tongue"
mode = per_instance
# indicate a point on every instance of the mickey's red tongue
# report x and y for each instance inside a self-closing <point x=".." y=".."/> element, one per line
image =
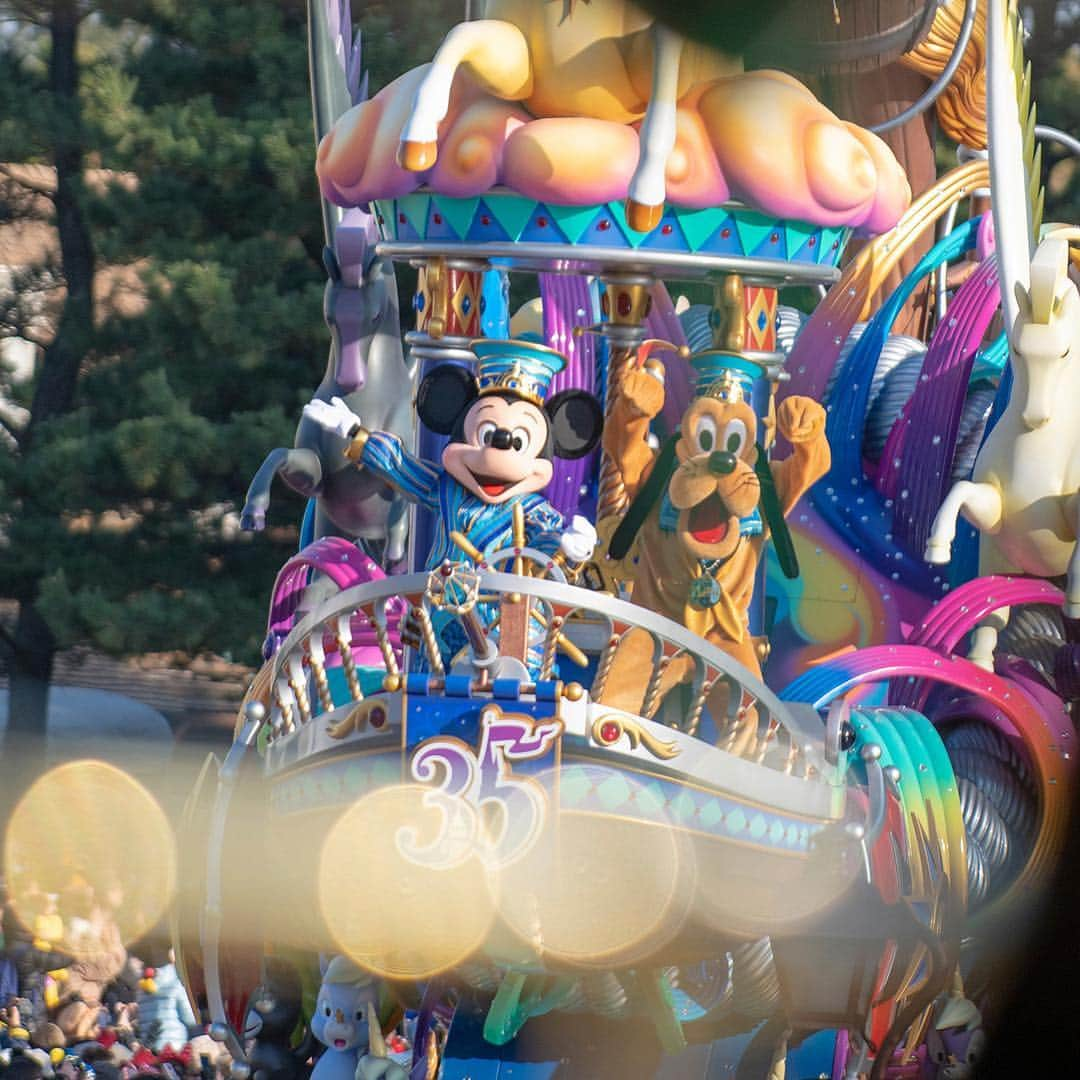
<point x="708" y="521"/>
<point x="491" y="485"/>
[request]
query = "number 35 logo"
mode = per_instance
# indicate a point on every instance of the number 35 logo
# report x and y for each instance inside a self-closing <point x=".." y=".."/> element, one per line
<point x="487" y="809"/>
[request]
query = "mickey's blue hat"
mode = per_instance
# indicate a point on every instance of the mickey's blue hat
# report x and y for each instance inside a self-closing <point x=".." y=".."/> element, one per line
<point x="521" y="368"/>
<point x="724" y="376"/>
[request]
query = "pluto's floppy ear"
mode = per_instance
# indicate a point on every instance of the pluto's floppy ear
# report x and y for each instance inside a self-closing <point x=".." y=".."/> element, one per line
<point x="445" y="393"/>
<point x="774" y="517"/>
<point x="576" y="423"/>
<point x="666" y="463"/>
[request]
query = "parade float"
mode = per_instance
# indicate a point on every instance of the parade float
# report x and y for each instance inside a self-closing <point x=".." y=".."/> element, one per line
<point x="634" y="705"/>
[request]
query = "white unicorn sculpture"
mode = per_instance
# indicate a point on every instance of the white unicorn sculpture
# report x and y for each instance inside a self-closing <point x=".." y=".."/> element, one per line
<point x="1023" y="495"/>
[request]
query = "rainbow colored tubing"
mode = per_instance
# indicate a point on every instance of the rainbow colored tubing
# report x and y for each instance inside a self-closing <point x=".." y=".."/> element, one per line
<point x="930" y="808"/>
<point x="1052" y="750"/>
<point x="927" y="785"/>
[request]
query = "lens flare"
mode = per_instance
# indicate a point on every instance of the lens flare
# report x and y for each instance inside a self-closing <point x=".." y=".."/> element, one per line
<point x="389" y="908"/>
<point x="602" y="888"/>
<point x="89" y="855"/>
<point x="743" y="891"/>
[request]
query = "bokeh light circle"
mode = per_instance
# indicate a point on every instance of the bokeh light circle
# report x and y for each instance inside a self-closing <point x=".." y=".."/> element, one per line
<point x="89" y="855"/>
<point x="393" y="913"/>
<point x="601" y="888"/>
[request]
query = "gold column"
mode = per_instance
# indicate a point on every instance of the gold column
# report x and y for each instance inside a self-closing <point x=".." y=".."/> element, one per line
<point x="626" y="304"/>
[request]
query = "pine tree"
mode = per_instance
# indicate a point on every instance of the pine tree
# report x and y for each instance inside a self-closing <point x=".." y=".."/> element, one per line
<point x="42" y="66"/>
<point x="179" y="308"/>
<point x="146" y="422"/>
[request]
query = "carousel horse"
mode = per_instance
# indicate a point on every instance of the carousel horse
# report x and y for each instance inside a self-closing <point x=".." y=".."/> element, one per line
<point x="366" y="366"/>
<point x="367" y="370"/>
<point x="1023" y="495"/>
<point x="595" y="101"/>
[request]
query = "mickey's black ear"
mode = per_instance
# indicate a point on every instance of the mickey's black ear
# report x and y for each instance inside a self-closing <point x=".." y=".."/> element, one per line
<point x="445" y="392"/>
<point x="576" y="422"/>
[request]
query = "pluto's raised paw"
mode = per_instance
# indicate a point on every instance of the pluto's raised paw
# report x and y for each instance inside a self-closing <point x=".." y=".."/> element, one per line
<point x="643" y="393"/>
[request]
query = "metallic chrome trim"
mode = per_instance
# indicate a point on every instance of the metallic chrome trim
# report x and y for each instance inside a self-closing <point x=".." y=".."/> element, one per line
<point x="606" y="262"/>
<point x="600" y="603"/>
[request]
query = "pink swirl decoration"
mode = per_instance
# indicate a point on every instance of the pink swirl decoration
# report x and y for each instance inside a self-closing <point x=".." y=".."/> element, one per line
<point x="346" y="565"/>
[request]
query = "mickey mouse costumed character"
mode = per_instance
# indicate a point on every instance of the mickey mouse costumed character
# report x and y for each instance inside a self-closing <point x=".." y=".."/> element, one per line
<point x="502" y="438"/>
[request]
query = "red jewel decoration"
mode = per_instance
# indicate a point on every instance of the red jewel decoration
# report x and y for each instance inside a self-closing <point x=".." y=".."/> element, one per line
<point x="665" y="229"/>
<point x="835" y="244"/>
<point x="604" y="225"/>
<point x="437" y="218"/>
<point x="541" y="222"/>
<point x="485" y="220"/>
<point x="725" y="233"/>
<point x="377" y="716"/>
<point x="622" y="303"/>
<point x="401" y="218"/>
<point x="812" y="242"/>
<point x="609" y="731"/>
<point x="775" y="238"/>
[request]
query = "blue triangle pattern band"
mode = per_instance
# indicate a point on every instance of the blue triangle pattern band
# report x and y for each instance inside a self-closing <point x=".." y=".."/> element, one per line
<point x="503" y="217"/>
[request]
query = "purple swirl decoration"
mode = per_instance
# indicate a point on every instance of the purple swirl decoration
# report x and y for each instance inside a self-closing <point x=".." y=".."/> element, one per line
<point x="922" y="479"/>
<point x="954" y="616"/>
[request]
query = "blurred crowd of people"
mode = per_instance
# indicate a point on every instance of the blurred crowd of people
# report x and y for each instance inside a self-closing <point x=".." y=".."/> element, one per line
<point x="74" y="1002"/>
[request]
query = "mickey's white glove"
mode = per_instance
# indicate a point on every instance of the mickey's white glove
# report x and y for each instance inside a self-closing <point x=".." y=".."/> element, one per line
<point x="333" y="415"/>
<point x="579" y="540"/>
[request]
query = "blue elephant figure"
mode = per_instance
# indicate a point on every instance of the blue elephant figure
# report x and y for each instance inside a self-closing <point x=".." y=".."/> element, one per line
<point x="345" y="1014"/>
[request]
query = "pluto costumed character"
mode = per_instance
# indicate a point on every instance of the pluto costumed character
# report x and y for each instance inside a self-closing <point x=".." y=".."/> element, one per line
<point x="703" y="506"/>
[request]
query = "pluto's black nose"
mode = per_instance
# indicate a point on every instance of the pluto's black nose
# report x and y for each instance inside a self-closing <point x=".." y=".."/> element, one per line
<point x="721" y="462"/>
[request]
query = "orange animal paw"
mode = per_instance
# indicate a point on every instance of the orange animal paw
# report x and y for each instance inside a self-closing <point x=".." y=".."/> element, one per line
<point x="643" y="393"/>
<point x="800" y="419"/>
